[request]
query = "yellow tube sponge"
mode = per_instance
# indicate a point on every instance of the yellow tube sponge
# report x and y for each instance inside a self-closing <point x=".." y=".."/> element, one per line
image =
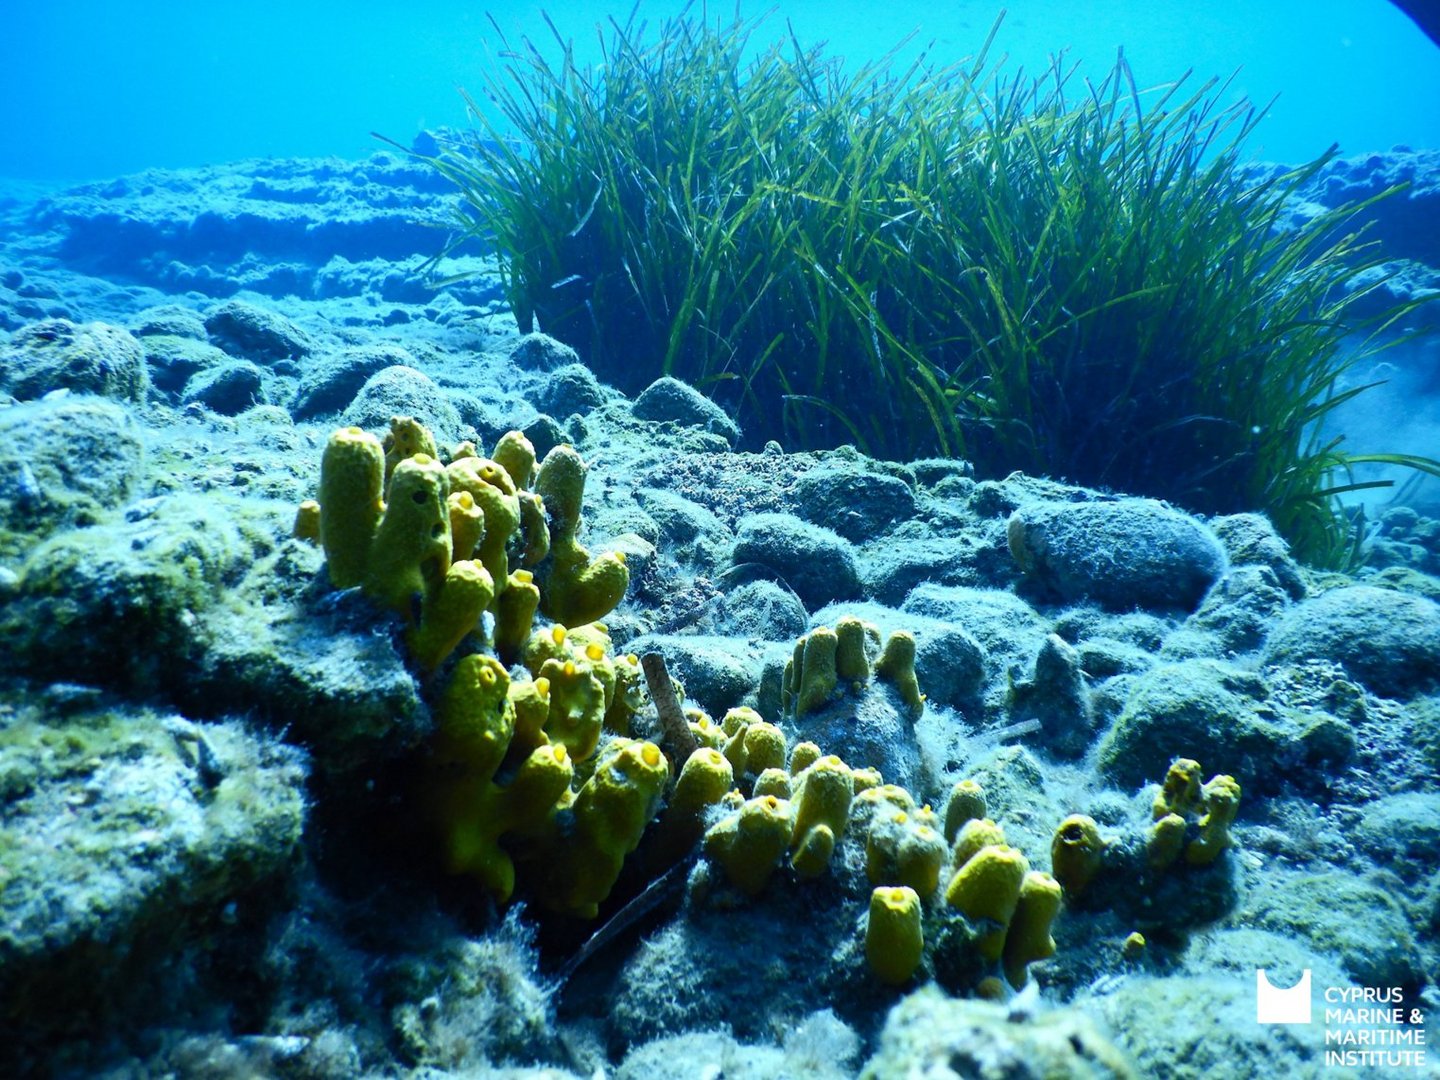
<point x="897" y="667"/>
<point x="852" y="664"/>
<point x="822" y="795"/>
<point x="966" y="803"/>
<point x="494" y="493"/>
<point x="1220" y="799"/>
<point x="773" y="782"/>
<point x="704" y="780"/>
<point x="974" y="835"/>
<point x="352" y="478"/>
<point x="530" y="700"/>
<point x="475" y="719"/>
<point x="611" y="809"/>
<point x="803" y="756"/>
<point x="406" y="438"/>
<point x="547" y="643"/>
<point x="516" y="455"/>
<point x="748" y="844"/>
<point x="410" y="553"/>
<point x="1165" y="841"/>
<point x="307" y="522"/>
<point x="515" y="615"/>
<point x="1028" y="938"/>
<point x="817" y="679"/>
<point x="451" y="614"/>
<point x="1076" y="852"/>
<point x="577" y="706"/>
<point x="533" y="529"/>
<point x="894" y="939"/>
<point x="475" y="724"/>
<point x="577" y="588"/>
<point x="1181" y="791"/>
<point x="629" y="697"/>
<point x="467" y="525"/>
<point x="905" y="848"/>
<point x="986" y="891"/>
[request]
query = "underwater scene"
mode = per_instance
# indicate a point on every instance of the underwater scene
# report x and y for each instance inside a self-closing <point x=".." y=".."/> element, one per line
<point x="719" y="542"/>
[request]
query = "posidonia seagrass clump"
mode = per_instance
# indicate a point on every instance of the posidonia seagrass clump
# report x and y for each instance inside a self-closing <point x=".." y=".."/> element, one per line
<point x="1070" y="278"/>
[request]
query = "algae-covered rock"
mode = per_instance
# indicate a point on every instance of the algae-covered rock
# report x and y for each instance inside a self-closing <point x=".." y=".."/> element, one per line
<point x="94" y="358"/>
<point x="1056" y="696"/>
<point x="688" y="532"/>
<point x="678" y="402"/>
<point x="64" y="461"/>
<point x="1193" y="1027"/>
<point x="1007" y="631"/>
<point x="403" y="391"/>
<point x="1388" y="640"/>
<point x="1218" y="714"/>
<point x="816" y="563"/>
<point x="1238" y="612"/>
<point x="1126" y="553"/>
<point x="891" y="571"/>
<point x="1250" y="540"/>
<point x="125" y="834"/>
<point x="168" y="320"/>
<point x="117" y="604"/>
<point x="540" y="352"/>
<point x="228" y="389"/>
<point x="762" y="610"/>
<point x="569" y="390"/>
<point x="1359" y="922"/>
<point x="329" y="383"/>
<point x="329" y="674"/>
<point x="819" y="1047"/>
<point x="854" y="499"/>
<point x="717" y="672"/>
<point x="934" y="1036"/>
<point x="174" y="360"/>
<point x="254" y="333"/>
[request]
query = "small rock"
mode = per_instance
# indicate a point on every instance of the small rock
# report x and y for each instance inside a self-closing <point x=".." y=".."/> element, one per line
<point x="253" y="333"/>
<point x="670" y="399"/>
<point x="816" y="563"/>
<point x="229" y="389"/>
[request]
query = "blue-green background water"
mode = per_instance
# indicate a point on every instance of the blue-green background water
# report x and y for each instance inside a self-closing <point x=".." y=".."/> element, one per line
<point x="91" y="89"/>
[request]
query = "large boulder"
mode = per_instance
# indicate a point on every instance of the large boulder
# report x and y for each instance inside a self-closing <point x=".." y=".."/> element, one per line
<point x="1124" y="553"/>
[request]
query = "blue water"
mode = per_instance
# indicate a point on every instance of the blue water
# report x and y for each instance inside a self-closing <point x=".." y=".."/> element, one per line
<point x="91" y="89"/>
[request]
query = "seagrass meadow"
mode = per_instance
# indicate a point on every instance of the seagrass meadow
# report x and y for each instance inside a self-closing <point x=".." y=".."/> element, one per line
<point x="1029" y="272"/>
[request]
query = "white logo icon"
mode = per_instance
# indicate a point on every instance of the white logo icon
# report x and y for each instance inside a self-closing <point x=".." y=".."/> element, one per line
<point x="1276" y="1005"/>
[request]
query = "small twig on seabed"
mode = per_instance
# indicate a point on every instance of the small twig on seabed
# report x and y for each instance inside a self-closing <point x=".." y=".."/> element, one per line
<point x="679" y="739"/>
